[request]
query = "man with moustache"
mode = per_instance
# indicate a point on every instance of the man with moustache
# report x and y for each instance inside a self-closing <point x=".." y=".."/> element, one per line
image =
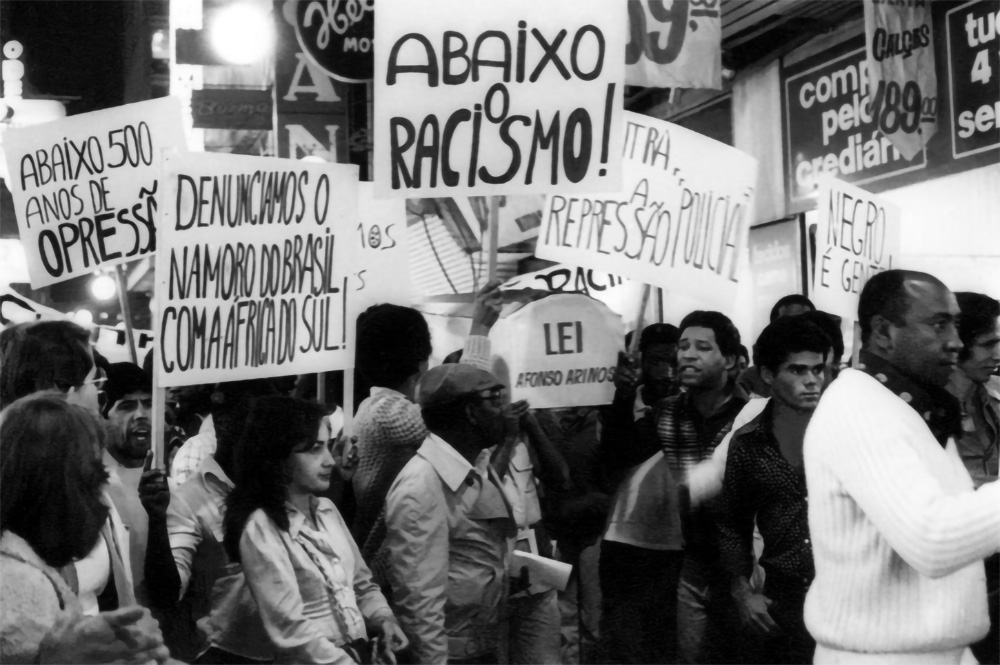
<point x="138" y="491"/>
<point x="898" y="529"/>
<point x="765" y="483"/>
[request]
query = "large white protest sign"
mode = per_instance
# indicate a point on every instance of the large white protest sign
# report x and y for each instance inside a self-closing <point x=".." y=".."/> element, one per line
<point x="85" y="188"/>
<point x="561" y="350"/>
<point x="680" y="221"/>
<point x="253" y="277"/>
<point x="857" y="237"/>
<point x="379" y="252"/>
<point x="674" y="44"/>
<point x="487" y="97"/>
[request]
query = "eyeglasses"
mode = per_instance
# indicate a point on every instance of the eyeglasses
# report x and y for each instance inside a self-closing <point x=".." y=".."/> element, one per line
<point x="100" y="378"/>
<point x="493" y="395"/>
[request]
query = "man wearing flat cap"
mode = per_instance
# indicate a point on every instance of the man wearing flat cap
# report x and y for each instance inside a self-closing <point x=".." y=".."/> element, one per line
<point x="448" y="523"/>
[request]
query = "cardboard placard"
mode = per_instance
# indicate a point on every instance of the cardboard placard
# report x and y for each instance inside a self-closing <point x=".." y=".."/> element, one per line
<point x="85" y="188"/>
<point x="253" y="279"/>
<point x="559" y="351"/>
<point x="679" y="222"/>
<point x="857" y="236"/>
<point x="485" y="97"/>
<point x="379" y="252"/>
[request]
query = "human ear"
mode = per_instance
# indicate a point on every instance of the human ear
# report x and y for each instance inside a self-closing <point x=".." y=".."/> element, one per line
<point x="767" y="375"/>
<point x="883" y="333"/>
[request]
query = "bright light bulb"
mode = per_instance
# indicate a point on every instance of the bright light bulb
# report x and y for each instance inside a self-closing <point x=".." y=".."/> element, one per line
<point x="103" y="287"/>
<point x="83" y="317"/>
<point x="242" y="33"/>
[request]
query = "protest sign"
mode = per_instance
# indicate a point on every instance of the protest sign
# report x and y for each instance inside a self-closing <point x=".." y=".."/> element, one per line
<point x="15" y="308"/>
<point x="485" y="97"/>
<point x="857" y="237"/>
<point x="85" y="188"/>
<point x="900" y="49"/>
<point x="679" y="222"/>
<point x="379" y="252"/>
<point x="253" y="278"/>
<point x="973" y="32"/>
<point x="561" y="350"/>
<point x="674" y="44"/>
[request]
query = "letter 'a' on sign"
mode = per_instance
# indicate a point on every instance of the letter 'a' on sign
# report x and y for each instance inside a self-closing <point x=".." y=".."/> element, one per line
<point x="679" y="222"/>
<point x="558" y="351"/>
<point x="857" y="236"/>
<point x="86" y="190"/>
<point x="486" y="97"/>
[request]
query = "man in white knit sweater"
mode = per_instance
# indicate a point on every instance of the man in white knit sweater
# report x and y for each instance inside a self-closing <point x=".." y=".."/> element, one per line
<point x="899" y="532"/>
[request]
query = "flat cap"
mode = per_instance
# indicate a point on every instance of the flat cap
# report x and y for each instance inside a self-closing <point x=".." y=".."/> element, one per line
<point x="446" y="383"/>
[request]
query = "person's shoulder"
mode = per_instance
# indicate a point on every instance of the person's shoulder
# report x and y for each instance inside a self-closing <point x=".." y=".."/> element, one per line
<point x="993" y="387"/>
<point x="26" y="589"/>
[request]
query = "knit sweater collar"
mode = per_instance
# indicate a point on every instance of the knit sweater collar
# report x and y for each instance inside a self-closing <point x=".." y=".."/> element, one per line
<point x="939" y="408"/>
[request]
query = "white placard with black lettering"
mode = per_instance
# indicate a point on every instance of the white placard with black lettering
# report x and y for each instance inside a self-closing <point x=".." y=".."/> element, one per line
<point x="85" y="188"/>
<point x="857" y="236"/>
<point x="680" y="221"/>
<point x="486" y="97"/>
<point x="254" y="275"/>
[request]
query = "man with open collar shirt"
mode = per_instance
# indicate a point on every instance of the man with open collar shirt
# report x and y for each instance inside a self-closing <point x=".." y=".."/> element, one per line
<point x="448" y="524"/>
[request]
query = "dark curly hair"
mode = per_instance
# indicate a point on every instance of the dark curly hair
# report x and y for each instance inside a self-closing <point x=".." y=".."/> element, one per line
<point x="788" y="335"/>
<point x="51" y="476"/>
<point x="727" y="337"/>
<point x="42" y="355"/>
<point x="979" y="316"/>
<point x="392" y="342"/>
<point x="278" y="425"/>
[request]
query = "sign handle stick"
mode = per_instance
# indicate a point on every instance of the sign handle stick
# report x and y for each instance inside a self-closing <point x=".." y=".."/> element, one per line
<point x="126" y="314"/>
<point x="320" y="387"/>
<point x="494" y="236"/>
<point x="856" y="349"/>
<point x="348" y="405"/>
<point x="159" y="420"/>
<point x="633" y="348"/>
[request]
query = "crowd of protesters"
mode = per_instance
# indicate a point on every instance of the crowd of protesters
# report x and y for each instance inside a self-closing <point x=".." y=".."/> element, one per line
<point x="780" y="506"/>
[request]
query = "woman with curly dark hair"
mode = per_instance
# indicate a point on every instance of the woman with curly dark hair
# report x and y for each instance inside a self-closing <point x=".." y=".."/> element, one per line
<point x="313" y="590"/>
<point x="51" y="514"/>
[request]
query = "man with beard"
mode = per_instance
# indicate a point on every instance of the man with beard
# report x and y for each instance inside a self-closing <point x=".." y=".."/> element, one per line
<point x="138" y="491"/>
<point x="898" y="529"/>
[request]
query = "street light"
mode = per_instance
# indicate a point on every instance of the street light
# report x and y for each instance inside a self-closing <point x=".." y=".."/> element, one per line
<point x="242" y="33"/>
<point x="102" y="287"/>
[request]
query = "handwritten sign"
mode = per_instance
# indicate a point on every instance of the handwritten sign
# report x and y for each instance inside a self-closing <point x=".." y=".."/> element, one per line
<point x="679" y="223"/>
<point x="380" y="252"/>
<point x="253" y="279"/>
<point x="901" y="68"/>
<point x="674" y="44"/>
<point x="973" y="31"/>
<point x="486" y="97"/>
<point x="857" y="237"/>
<point x="85" y="188"/>
<point x="561" y="350"/>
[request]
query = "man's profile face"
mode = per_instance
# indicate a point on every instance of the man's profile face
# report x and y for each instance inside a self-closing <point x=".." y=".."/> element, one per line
<point x="700" y="362"/>
<point x="984" y="355"/>
<point x="130" y="416"/>
<point x="926" y="346"/>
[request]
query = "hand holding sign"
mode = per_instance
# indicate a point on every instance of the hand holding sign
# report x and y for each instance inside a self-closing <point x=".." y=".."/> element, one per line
<point x="154" y="494"/>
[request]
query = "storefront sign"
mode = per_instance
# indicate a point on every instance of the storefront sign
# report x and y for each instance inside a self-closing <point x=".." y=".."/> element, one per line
<point x="973" y="38"/>
<point x="830" y="129"/>
<point x="85" y="188"/>
<point x="903" y="83"/>
<point x="674" y="44"/>
<point x="857" y="237"/>
<point x="337" y="36"/>
<point x="679" y="222"/>
<point x="232" y="109"/>
<point x="775" y="266"/>
<point x="485" y="97"/>
<point x="559" y="351"/>
<point x="253" y="278"/>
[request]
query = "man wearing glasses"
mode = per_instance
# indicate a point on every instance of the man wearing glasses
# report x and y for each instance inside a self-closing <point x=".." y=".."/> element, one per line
<point x="448" y="522"/>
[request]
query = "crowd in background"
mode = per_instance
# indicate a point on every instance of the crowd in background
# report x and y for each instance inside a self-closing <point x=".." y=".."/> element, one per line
<point x="786" y="505"/>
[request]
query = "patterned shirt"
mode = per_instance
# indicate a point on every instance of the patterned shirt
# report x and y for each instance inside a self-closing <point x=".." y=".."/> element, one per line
<point x="192" y="453"/>
<point x="761" y="484"/>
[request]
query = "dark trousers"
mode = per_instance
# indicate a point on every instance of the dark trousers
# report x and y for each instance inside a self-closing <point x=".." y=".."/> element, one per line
<point x="794" y="644"/>
<point x="639" y="604"/>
